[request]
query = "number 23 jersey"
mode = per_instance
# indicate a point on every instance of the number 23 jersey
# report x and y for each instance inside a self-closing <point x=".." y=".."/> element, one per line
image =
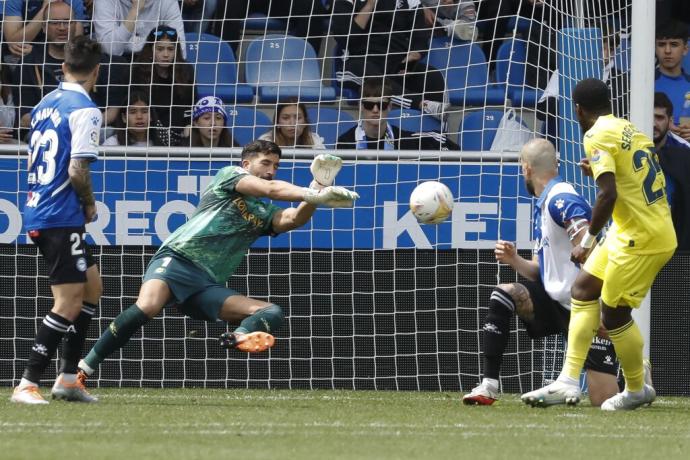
<point x="65" y="125"/>
<point x="641" y="216"/>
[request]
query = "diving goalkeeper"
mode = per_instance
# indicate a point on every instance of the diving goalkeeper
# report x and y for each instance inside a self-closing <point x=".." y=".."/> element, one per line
<point x="193" y="264"/>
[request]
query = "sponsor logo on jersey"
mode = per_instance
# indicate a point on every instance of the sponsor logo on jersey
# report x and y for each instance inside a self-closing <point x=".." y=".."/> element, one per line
<point x="250" y="217"/>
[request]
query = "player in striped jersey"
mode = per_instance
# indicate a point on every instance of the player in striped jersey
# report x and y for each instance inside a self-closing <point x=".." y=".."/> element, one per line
<point x="542" y="301"/>
<point x="63" y="141"/>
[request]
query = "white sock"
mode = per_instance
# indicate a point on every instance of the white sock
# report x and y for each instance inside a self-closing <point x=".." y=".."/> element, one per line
<point x="26" y="383"/>
<point x="493" y="383"/>
<point x="567" y="380"/>
<point x="85" y="367"/>
<point x="69" y="378"/>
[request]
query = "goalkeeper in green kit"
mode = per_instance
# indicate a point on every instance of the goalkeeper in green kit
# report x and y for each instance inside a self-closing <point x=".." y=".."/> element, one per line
<point x="193" y="264"/>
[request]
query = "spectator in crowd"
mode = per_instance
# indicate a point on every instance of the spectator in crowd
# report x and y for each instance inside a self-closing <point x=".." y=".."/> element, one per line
<point x="304" y="18"/>
<point x="122" y="26"/>
<point x="454" y="18"/>
<point x="671" y="78"/>
<point x="197" y="14"/>
<point x="24" y="22"/>
<point x="292" y="128"/>
<point x="373" y="132"/>
<point x="389" y="38"/>
<point x="161" y="67"/>
<point x="209" y="124"/>
<point x="674" y="157"/>
<point x="136" y="124"/>
<point x="41" y="71"/>
<point x="8" y="111"/>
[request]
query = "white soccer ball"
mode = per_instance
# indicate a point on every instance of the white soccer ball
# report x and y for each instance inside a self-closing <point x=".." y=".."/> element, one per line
<point x="431" y="202"/>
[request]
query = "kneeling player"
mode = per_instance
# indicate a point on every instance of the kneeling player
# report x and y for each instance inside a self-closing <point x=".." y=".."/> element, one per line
<point x="192" y="266"/>
<point x="561" y="217"/>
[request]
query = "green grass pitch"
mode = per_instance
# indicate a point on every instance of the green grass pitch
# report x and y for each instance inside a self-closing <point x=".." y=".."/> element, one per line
<point x="132" y="424"/>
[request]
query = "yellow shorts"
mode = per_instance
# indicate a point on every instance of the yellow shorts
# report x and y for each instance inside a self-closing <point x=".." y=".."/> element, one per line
<point x="627" y="277"/>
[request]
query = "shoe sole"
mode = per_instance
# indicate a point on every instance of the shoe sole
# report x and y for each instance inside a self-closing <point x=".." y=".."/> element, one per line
<point x="38" y="403"/>
<point x="255" y="342"/>
<point x="59" y="397"/>
<point x="478" y="401"/>
<point x="541" y="402"/>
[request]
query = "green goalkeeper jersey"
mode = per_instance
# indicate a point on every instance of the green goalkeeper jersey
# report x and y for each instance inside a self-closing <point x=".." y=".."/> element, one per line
<point x="224" y="225"/>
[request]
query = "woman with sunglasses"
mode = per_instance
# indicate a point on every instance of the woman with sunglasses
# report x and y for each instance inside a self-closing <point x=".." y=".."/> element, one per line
<point x="160" y="66"/>
<point x="374" y="132"/>
<point x="291" y="128"/>
<point x="135" y="126"/>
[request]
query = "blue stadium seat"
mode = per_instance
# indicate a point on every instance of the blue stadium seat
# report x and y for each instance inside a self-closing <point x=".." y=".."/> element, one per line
<point x="510" y="73"/>
<point x="466" y="72"/>
<point x="215" y="69"/>
<point x="520" y="24"/>
<point x="478" y="129"/>
<point x="283" y="67"/>
<point x="247" y="123"/>
<point x="414" y="121"/>
<point x="330" y="123"/>
<point x="259" y="21"/>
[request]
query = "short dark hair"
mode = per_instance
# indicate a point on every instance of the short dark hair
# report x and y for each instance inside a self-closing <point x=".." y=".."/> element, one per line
<point x="258" y="147"/>
<point x="662" y="101"/>
<point x="592" y="95"/>
<point x="82" y="55"/>
<point x="672" y="30"/>
<point x="376" y="87"/>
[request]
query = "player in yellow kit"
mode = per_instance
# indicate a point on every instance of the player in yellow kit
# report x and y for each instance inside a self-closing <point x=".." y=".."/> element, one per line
<point x="622" y="266"/>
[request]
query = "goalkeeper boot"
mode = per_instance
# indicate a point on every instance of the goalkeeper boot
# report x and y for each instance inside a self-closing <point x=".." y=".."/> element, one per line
<point x="555" y="393"/>
<point x="251" y="342"/>
<point x="630" y="401"/>
<point x="27" y="394"/>
<point x="72" y="391"/>
<point x="483" y="394"/>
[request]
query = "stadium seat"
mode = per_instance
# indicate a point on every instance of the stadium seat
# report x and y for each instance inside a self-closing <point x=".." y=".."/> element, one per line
<point x="261" y="22"/>
<point x="283" y="67"/>
<point x="466" y="72"/>
<point x="330" y="123"/>
<point x="215" y="69"/>
<point x="414" y="121"/>
<point x="510" y="74"/>
<point x="247" y="123"/>
<point x="478" y="129"/>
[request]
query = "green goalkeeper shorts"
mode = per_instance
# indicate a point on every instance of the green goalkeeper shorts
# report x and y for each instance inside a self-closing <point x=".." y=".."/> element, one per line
<point x="194" y="292"/>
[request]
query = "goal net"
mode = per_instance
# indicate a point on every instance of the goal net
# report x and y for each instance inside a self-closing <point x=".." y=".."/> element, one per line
<point x="373" y="300"/>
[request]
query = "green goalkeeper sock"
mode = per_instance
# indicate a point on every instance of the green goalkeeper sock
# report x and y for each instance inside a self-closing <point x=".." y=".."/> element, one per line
<point x="115" y="337"/>
<point x="267" y="319"/>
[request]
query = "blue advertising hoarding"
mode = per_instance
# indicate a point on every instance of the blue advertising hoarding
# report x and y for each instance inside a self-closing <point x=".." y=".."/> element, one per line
<point x="141" y="201"/>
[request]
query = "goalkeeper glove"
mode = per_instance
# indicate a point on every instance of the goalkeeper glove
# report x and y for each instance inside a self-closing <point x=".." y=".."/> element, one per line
<point x="324" y="168"/>
<point x="332" y="197"/>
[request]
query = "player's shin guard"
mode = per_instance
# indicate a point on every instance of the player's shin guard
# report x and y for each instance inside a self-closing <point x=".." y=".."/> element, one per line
<point x="48" y="338"/>
<point x="628" y="342"/>
<point x="584" y="322"/>
<point x="115" y="337"/>
<point x="496" y="331"/>
<point x="73" y="343"/>
<point x="268" y="319"/>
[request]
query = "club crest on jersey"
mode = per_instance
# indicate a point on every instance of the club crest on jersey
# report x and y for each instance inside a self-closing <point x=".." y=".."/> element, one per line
<point x="81" y="264"/>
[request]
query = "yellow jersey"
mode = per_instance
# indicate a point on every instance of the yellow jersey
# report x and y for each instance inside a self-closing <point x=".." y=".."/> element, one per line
<point x="641" y="216"/>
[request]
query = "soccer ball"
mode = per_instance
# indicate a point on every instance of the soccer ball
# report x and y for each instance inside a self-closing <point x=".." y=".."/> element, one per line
<point x="431" y="202"/>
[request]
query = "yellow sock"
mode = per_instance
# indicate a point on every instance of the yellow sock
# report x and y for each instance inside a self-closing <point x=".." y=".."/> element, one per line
<point x="584" y="321"/>
<point x="628" y="342"/>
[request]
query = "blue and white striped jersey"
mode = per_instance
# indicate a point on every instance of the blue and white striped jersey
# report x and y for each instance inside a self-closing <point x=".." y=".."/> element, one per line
<point x="64" y="125"/>
<point x="557" y="204"/>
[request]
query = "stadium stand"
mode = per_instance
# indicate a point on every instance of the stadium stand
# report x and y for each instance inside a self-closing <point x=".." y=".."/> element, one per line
<point x="247" y="123"/>
<point x="330" y="123"/>
<point x="478" y="129"/>
<point x="414" y="121"/>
